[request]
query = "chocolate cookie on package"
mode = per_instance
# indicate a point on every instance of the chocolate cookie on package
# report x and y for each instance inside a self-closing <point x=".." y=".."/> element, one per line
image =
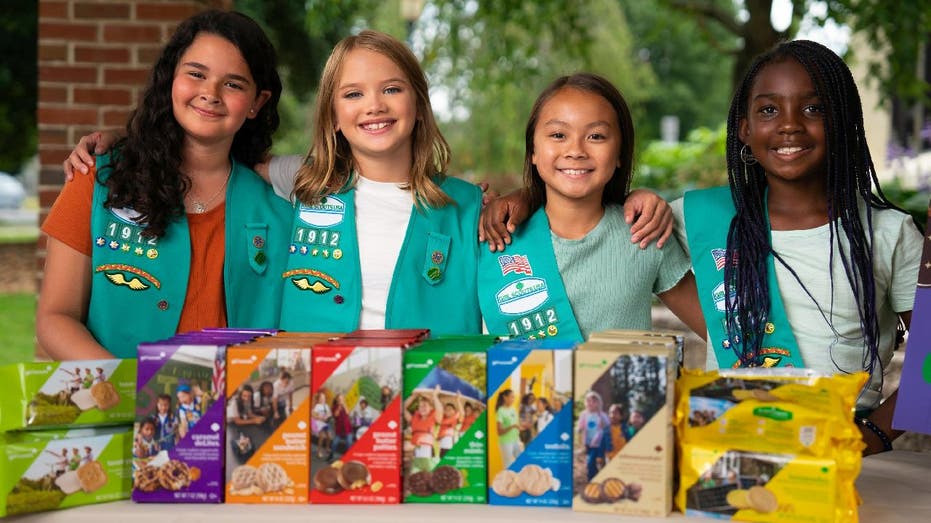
<point x="612" y="490"/>
<point x="418" y="483"/>
<point x="354" y="475"/>
<point x="326" y="480"/>
<point x="592" y="492"/>
<point x="446" y="478"/>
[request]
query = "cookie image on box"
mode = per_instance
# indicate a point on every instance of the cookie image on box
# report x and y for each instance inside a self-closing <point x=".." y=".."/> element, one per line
<point x="91" y="476"/>
<point x="105" y="395"/>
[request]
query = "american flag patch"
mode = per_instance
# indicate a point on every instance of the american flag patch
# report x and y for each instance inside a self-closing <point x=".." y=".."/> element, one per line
<point x="517" y="263"/>
<point x="720" y="258"/>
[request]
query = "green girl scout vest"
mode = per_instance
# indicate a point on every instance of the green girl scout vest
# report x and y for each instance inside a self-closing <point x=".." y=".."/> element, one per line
<point x="708" y="215"/>
<point x="138" y="284"/>
<point x="433" y="284"/>
<point x="521" y="292"/>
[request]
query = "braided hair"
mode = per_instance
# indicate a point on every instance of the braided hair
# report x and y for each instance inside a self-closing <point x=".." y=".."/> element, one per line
<point x="850" y="178"/>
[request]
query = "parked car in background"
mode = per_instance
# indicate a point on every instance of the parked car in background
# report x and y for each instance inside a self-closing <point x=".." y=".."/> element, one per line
<point x="12" y="192"/>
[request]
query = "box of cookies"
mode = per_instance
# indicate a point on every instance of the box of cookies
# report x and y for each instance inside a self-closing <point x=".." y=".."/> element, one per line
<point x="83" y="393"/>
<point x="178" y="442"/>
<point x="356" y="421"/>
<point x="268" y="421"/>
<point x="623" y="434"/>
<point x="48" y="470"/>
<point x="444" y="419"/>
<point x="530" y="423"/>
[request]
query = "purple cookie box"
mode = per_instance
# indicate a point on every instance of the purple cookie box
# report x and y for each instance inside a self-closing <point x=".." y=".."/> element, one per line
<point x="203" y="446"/>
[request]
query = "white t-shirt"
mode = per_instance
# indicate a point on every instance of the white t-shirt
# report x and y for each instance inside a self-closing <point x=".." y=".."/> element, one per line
<point x="896" y="255"/>
<point x="385" y="210"/>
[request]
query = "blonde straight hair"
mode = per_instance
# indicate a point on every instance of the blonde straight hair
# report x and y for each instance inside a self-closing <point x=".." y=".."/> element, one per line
<point x="327" y="168"/>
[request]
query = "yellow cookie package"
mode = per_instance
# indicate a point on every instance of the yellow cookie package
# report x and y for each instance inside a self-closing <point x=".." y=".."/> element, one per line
<point x="768" y="445"/>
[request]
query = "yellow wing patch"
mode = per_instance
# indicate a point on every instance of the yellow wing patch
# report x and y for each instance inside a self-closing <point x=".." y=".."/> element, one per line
<point x="769" y="361"/>
<point x="118" y="278"/>
<point x="317" y="286"/>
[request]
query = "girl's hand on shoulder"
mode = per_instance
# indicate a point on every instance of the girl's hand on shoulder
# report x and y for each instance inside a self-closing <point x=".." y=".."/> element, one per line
<point x="500" y="217"/>
<point x="488" y="194"/>
<point x="82" y="158"/>
<point x="650" y="218"/>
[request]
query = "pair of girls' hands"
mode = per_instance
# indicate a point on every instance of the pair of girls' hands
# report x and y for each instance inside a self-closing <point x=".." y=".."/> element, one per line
<point x="649" y="215"/>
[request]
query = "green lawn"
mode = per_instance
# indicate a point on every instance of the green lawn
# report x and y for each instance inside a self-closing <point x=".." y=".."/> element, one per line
<point x="18" y="318"/>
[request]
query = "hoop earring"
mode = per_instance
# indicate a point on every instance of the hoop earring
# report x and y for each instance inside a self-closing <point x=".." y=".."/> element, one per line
<point x="746" y="155"/>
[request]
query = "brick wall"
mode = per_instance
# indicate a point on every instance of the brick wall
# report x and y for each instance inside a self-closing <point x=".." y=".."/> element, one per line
<point x="94" y="59"/>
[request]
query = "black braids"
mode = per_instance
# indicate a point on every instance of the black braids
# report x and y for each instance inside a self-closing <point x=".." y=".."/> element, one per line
<point x="748" y="242"/>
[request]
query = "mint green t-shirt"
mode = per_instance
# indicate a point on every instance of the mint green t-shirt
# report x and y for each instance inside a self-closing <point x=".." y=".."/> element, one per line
<point x="611" y="281"/>
<point x="507" y="416"/>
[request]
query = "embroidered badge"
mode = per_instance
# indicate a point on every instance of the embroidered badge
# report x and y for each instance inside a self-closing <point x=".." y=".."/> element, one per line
<point x="152" y="254"/>
<point x="434" y="273"/>
<point x="114" y="273"/>
<point x="517" y="263"/>
<point x="719" y="297"/>
<point x="258" y="242"/>
<point x="769" y="328"/>
<point x="327" y="213"/>
<point x="437" y="257"/>
<point x="720" y="258"/>
<point x="319" y="285"/>
<point x="260" y="258"/>
<point x="337" y="254"/>
<point x="522" y="296"/>
<point x="552" y="330"/>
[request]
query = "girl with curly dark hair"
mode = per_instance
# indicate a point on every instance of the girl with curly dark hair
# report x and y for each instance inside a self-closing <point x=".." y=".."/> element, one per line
<point x="174" y="232"/>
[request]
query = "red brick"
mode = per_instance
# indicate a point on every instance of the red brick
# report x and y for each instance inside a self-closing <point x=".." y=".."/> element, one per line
<point x="53" y="52"/>
<point x="67" y="31"/>
<point x="53" y="94"/>
<point x="41" y="242"/>
<point x="100" y="54"/>
<point x="49" y="9"/>
<point x="67" y="116"/>
<point x="47" y="196"/>
<point x="51" y="175"/>
<point x="148" y="54"/>
<point x="168" y="11"/>
<point x="67" y="73"/>
<point x="128" y="76"/>
<point x="53" y="136"/>
<point x="97" y="10"/>
<point x="101" y="96"/>
<point x="131" y="33"/>
<point x="116" y="117"/>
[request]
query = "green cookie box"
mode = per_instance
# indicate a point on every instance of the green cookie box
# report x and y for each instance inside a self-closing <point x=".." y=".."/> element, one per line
<point x="43" y="395"/>
<point x="39" y="470"/>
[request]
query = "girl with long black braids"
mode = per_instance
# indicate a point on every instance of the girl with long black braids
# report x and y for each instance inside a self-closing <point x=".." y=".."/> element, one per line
<point x="802" y="261"/>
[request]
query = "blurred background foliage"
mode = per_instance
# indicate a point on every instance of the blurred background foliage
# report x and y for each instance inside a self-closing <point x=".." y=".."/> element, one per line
<point x="487" y="60"/>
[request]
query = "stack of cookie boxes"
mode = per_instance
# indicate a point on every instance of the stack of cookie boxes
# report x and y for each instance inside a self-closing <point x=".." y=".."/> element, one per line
<point x="772" y="445"/>
<point x="178" y="444"/>
<point x="65" y="434"/>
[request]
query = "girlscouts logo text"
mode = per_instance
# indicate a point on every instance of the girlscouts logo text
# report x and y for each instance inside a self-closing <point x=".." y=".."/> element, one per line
<point x="327" y="213"/>
<point x="522" y="296"/>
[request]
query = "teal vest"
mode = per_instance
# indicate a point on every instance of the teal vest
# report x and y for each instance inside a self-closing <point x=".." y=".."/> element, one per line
<point x="708" y="215"/>
<point x="138" y="285"/>
<point x="521" y="291"/>
<point x="433" y="285"/>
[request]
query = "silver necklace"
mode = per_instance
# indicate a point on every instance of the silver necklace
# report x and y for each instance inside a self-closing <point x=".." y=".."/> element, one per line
<point x="199" y="207"/>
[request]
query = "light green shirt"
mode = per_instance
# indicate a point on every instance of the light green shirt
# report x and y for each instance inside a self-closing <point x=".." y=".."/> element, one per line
<point x="896" y="255"/>
<point x="507" y="416"/>
<point x="610" y="281"/>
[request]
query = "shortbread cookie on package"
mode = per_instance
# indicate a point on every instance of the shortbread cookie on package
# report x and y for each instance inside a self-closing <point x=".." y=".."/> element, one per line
<point x="46" y="470"/>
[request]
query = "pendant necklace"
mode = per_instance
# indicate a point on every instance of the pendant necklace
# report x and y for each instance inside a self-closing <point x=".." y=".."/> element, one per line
<point x="198" y="207"/>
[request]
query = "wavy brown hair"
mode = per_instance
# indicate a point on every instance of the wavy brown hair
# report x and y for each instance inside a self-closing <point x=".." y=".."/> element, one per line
<point x="146" y="163"/>
<point x="328" y="166"/>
